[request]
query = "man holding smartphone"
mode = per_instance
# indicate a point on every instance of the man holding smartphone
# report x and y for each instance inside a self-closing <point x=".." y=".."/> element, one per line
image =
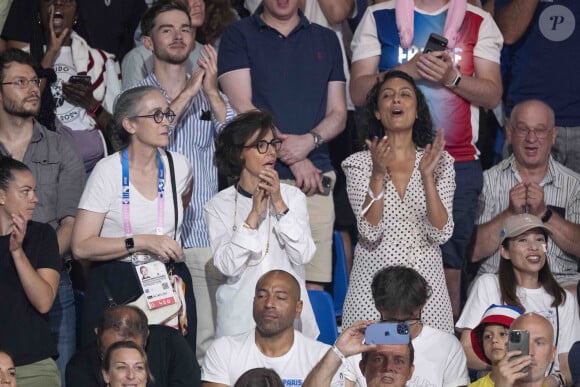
<point x="392" y="362"/>
<point x="542" y="353"/>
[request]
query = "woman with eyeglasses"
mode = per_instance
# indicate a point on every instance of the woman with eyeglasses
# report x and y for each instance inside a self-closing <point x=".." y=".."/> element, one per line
<point x="29" y="275"/>
<point x="126" y="214"/>
<point x="257" y="224"/>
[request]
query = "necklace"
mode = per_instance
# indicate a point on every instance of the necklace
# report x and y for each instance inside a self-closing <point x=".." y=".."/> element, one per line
<point x="235" y="228"/>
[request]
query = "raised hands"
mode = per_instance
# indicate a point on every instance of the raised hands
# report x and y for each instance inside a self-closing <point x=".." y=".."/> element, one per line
<point x="270" y="184"/>
<point x="351" y="340"/>
<point x="55" y="41"/>
<point x="208" y="62"/>
<point x="431" y="156"/>
<point x="381" y="155"/>
<point x="20" y="221"/>
<point x="509" y="371"/>
<point x="527" y="197"/>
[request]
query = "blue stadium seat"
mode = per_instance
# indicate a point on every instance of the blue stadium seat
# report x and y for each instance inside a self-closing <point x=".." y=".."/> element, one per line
<point x="324" y="312"/>
<point x="339" y="274"/>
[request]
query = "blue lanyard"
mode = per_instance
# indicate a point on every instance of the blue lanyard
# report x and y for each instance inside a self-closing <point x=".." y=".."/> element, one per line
<point x="160" y="194"/>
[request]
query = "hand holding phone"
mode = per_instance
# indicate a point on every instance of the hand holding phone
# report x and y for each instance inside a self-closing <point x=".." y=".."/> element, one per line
<point x="387" y="333"/>
<point x="80" y="79"/>
<point x="436" y="42"/>
<point x="519" y="340"/>
<point x="327" y="184"/>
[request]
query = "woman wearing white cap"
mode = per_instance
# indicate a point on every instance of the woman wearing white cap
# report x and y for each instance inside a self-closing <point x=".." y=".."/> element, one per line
<point x="524" y="280"/>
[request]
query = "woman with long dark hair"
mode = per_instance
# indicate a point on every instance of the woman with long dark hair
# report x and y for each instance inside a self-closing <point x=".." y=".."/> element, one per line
<point x="525" y="281"/>
<point x="401" y="191"/>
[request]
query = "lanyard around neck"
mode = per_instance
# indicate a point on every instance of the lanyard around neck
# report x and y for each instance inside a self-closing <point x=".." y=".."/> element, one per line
<point x="126" y="196"/>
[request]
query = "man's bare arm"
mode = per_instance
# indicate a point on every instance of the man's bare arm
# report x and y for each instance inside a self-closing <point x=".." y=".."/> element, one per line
<point x="514" y="19"/>
<point x="237" y="85"/>
<point x="64" y="234"/>
<point x="336" y="11"/>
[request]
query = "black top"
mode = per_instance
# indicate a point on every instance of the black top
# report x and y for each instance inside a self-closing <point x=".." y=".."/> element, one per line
<point x="25" y="332"/>
<point x="108" y="25"/>
<point x="171" y="360"/>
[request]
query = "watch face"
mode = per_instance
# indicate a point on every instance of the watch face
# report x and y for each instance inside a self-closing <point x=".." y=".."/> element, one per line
<point x="129" y="243"/>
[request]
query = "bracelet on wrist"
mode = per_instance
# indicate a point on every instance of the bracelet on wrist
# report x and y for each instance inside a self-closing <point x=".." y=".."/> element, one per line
<point x="338" y="353"/>
<point x="373" y="199"/>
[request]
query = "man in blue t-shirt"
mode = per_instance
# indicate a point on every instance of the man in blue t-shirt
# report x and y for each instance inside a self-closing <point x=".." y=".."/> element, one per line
<point x="542" y="57"/>
<point x="278" y="61"/>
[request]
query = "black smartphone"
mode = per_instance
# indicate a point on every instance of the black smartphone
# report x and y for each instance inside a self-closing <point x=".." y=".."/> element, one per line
<point x="327" y="185"/>
<point x="519" y="340"/>
<point x="387" y="333"/>
<point x="80" y="79"/>
<point x="436" y="42"/>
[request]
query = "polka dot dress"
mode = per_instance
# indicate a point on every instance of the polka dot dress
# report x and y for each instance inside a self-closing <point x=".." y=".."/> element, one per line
<point x="404" y="236"/>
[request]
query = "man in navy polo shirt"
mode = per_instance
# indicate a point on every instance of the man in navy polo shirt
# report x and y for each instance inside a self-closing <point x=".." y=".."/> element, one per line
<point x="278" y="61"/>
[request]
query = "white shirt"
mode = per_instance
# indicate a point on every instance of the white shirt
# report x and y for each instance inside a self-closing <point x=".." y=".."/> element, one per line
<point x="485" y="291"/>
<point x="230" y="356"/>
<point x="241" y="254"/>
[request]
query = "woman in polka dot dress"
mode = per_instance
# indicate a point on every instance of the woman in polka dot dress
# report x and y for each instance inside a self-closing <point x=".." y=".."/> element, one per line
<point x="401" y="190"/>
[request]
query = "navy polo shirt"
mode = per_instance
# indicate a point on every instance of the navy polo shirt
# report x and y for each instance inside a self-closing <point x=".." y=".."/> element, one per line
<point x="290" y="74"/>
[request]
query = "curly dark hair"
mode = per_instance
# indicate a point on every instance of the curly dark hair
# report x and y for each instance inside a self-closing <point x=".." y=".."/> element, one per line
<point x="422" y="128"/>
<point x="232" y="139"/>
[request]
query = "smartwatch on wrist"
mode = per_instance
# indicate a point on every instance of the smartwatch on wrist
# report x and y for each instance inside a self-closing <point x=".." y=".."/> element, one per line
<point x="456" y="81"/>
<point x="547" y="215"/>
<point x="130" y="245"/>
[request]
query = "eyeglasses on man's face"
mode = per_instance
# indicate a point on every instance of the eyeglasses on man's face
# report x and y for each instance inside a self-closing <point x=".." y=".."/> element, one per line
<point x="522" y="131"/>
<point x="262" y="145"/>
<point x="158" y="116"/>
<point x="22" y="83"/>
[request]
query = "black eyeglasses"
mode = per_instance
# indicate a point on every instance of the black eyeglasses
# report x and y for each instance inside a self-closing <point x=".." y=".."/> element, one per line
<point x="158" y="116"/>
<point x="262" y="146"/>
<point x="409" y="321"/>
<point x="22" y="83"/>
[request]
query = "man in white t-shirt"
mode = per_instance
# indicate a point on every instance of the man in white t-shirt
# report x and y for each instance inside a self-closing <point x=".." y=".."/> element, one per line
<point x="400" y="293"/>
<point x="272" y="344"/>
<point x="381" y="365"/>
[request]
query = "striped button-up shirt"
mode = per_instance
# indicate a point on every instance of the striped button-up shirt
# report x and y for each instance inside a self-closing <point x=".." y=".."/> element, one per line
<point x="193" y="135"/>
<point x="561" y="189"/>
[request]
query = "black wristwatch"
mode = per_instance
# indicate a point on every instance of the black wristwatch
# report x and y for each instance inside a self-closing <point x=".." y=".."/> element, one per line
<point x="130" y="245"/>
<point x="547" y="215"/>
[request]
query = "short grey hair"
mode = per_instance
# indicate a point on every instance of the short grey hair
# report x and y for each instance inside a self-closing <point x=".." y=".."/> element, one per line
<point x="126" y="106"/>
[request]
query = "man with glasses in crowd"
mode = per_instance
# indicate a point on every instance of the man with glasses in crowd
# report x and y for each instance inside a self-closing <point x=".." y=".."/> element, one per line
<point x="58" y="170"/>
<point x="400" y="293"/>
<point x="530" y="180"/>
